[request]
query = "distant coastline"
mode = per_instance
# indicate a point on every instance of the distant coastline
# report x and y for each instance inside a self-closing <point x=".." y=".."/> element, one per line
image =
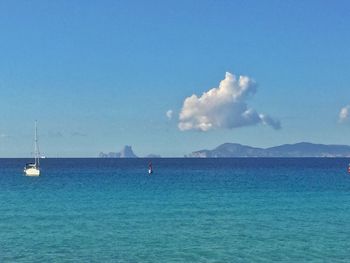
<point x="233" y="150"/>
<point x="302" y="149"/>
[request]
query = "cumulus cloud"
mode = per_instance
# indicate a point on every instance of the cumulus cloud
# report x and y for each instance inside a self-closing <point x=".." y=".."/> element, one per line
<point x="267" y="120"/>
<point x="344" y="114"/>
<point x="223" y="107"/>
<point x="169" y="114"/>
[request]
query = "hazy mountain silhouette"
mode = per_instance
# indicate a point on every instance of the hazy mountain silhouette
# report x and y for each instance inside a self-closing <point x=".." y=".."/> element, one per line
<point x="126" y="152"/>
<point x="303" y="149"/>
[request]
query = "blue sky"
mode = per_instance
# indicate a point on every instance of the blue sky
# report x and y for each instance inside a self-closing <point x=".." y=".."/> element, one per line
<point x="98" y="75"/>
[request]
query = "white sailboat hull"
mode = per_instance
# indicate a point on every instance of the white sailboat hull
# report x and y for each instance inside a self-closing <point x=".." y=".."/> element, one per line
<point x="32" y="171"/>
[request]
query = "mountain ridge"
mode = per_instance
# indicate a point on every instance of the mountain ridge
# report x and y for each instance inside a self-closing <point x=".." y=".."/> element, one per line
<point x="301" y="149"/>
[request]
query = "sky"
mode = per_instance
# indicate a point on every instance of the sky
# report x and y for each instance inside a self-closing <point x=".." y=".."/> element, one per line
<point x="172" y="77"/>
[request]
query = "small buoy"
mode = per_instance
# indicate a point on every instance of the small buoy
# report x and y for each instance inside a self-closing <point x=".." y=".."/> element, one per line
<point x="150" y="169"/>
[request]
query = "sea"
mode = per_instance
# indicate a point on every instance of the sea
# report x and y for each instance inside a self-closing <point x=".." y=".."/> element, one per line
<point x="188" y="210"/>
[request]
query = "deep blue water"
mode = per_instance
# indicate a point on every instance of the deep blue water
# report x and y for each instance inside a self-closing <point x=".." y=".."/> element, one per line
<point x="189" y="210"/>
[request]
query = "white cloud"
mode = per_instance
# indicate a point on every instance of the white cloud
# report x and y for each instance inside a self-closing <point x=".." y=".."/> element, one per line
<point x="223" y="107"/>
<point x="344" y="114"/>
<point x="169" y="114"/>
<point x="267" y="120"/>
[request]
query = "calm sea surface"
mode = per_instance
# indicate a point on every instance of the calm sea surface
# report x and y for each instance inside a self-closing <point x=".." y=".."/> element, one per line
<point x="189" y="210"/>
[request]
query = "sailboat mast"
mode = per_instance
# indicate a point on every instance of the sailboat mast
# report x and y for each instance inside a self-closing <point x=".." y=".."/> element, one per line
<point x="36" y="148"/>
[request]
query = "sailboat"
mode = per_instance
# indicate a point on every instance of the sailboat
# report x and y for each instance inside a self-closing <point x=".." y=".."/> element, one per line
<point x="33" y="169"/>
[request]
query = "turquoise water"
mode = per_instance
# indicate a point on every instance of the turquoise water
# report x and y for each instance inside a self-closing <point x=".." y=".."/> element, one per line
<point x="189" y="210"/>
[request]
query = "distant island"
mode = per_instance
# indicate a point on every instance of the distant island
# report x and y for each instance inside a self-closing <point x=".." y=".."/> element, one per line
<point x="302" y="149"/>
<point x="126" y="152"/>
